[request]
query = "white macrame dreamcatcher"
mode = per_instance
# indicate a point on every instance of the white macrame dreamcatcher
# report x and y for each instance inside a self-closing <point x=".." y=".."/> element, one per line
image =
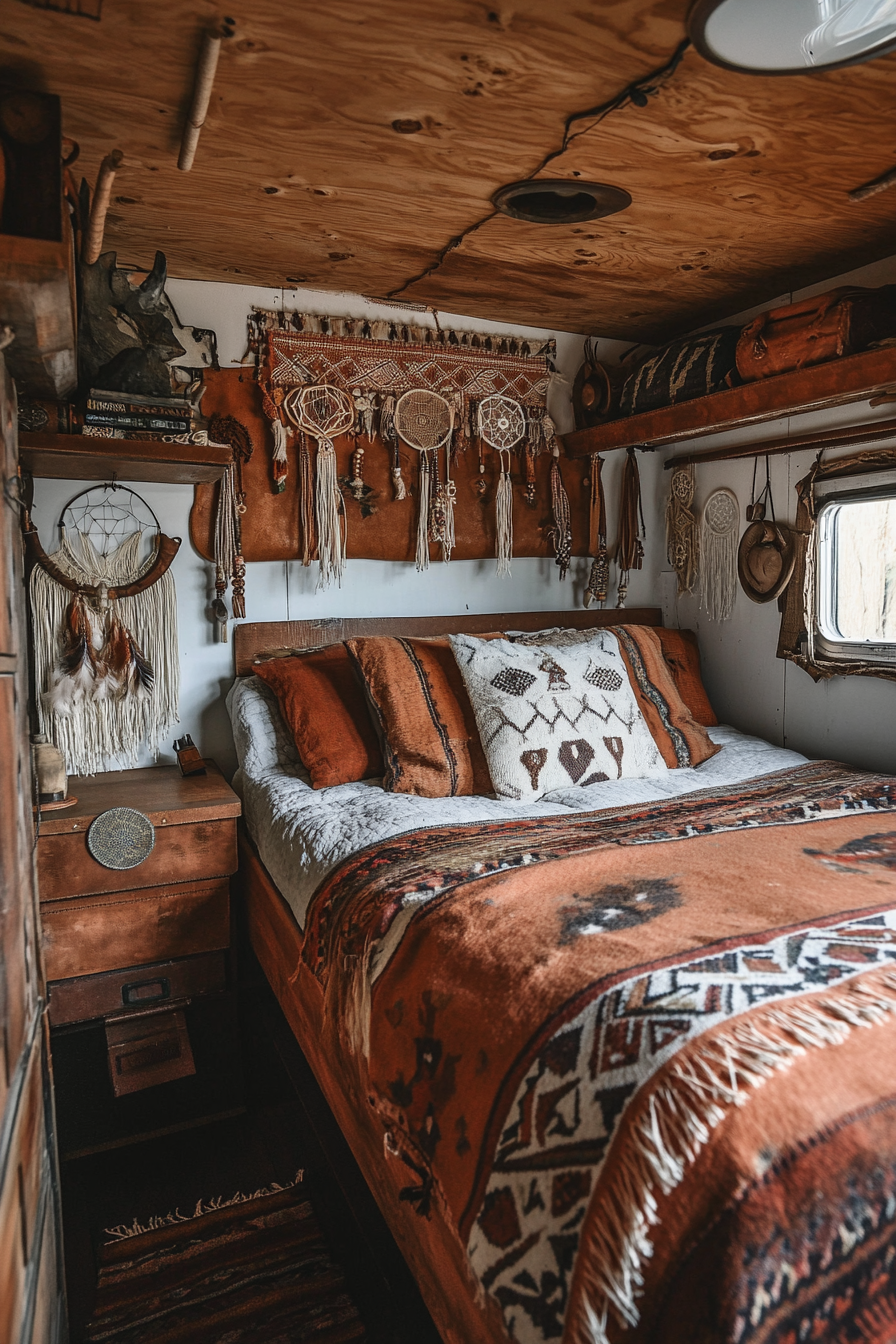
<point x="502" y="425"/>
<point x="424" y="421"/>
<point x="718" y="554"/>
<point x="104" y="616"/>
<point x="324" y="412"/>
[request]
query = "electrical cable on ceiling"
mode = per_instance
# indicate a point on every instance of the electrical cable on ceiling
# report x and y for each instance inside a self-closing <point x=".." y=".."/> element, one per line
<point x="638" y="92"/>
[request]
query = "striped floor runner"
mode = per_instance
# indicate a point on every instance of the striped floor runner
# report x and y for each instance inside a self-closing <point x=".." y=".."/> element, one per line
<point x="257" y="1270"/>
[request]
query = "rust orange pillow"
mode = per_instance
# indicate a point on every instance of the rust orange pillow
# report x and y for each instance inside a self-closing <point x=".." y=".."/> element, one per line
<point x="429" y="736"/>
<point x="325" y="709"/>
<point x="681" y="740"/>
<point x="683" y="656"/>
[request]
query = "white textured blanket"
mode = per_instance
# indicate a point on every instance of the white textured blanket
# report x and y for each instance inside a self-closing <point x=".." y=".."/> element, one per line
<point x="303" y="833"/>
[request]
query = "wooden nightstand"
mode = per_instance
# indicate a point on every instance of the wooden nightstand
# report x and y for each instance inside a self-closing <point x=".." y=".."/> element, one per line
<point x="138" y="960"/>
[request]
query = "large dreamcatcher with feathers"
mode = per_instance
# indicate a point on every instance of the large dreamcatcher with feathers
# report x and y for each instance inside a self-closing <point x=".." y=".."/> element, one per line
<point x="104" y="619"/>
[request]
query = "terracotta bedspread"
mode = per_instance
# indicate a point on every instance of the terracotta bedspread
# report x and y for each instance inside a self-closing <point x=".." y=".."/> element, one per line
<point x="631" y="1076"/>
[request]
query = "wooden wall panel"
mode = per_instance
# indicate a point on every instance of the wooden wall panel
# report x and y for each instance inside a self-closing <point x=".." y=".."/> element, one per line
<point x="271" y="529"/>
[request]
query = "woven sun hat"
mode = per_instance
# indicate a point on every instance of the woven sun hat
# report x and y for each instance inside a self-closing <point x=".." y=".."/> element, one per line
<point x="765" y="560"/>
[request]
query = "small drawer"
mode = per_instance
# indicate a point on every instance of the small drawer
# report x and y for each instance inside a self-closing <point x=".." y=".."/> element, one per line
<point x="193" y="852"/>
<point x="129" y="928"/>
<point x="91" y="996"/>
<point x="148" y="1049"/>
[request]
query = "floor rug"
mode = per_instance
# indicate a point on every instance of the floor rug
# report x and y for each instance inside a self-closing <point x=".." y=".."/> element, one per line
<point x="252" y="1268"/>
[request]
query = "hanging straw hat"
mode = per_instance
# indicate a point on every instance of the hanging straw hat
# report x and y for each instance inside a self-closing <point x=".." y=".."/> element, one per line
<point x="765" y="560"/>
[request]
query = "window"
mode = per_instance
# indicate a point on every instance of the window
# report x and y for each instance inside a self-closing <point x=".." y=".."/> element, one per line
<point x="856" y="571"/>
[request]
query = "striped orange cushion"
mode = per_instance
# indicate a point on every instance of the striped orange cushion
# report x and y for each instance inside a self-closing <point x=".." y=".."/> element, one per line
<point x="682" y="741"/>
<point x="429" y="736"/>
<point x="683" y="656"/>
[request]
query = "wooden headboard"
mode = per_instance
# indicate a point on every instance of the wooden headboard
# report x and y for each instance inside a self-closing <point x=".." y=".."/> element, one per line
<point x="256" y="640"/>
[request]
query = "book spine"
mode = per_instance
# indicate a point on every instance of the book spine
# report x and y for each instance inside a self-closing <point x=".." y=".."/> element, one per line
<point x="170" y="426"/>
<point x="138" y="399"/>
<point x="182" y="412"/>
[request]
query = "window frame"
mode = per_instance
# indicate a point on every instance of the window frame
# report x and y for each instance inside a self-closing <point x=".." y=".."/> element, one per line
<point x="830" y="495"/>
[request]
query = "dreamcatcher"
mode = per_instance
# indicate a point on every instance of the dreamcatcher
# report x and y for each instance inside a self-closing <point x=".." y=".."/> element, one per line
<point x="104" y="615"/>
<point x="599" y="577"/>
<point x="325" y="412"/>
<point x="424" y="421"/>
<point x="718" y="546"/>
<point x="682" y="536"/>
<point x="502" y="425"/>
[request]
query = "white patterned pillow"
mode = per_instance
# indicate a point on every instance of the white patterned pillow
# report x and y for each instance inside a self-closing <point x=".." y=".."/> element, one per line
<point x="550" y="716"/>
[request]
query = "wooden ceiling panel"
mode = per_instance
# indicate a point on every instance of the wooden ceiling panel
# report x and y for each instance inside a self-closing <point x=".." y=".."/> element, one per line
<point x="739" y="184"/>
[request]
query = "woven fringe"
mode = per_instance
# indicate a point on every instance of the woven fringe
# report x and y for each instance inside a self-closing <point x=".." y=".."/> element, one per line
<point x="504" y="517"/>
<point x="106" y="733"/>
<point x="328" y="506"/>
<point x="718" y="573"/>
<point x="137" y="1229"/>
<point x="306" y="495"/>
<point x="678" y="1121"/>
<point x="423" y="515"/>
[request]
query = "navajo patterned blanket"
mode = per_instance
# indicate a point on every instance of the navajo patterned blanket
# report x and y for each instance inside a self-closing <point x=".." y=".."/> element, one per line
<point x="642" y="1065"/>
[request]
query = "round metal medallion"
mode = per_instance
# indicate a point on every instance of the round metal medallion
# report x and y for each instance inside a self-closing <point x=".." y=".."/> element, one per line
<point x="121" y="838"/>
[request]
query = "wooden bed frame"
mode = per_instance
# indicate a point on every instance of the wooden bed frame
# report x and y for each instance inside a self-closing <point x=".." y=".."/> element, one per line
<point x="273" y="932"/>
<point x="254" y="641"/>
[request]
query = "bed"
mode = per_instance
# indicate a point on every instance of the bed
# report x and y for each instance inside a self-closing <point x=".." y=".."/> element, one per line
<point x="618" y="1066"/>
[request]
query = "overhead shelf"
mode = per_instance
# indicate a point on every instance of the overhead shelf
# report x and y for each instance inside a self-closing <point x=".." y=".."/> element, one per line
<point x="837" y="383"/>
<point x="80" y="457"/>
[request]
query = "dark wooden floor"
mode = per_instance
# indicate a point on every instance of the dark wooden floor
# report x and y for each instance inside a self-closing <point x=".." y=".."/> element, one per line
<point x="287" y="1127"/>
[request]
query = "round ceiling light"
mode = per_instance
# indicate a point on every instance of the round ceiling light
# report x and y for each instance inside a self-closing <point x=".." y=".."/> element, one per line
<point x="792" y="37"/>
<point x="560" y="200"/>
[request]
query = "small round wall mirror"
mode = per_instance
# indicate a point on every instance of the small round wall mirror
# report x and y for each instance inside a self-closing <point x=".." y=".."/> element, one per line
<point x="789" y="37"/>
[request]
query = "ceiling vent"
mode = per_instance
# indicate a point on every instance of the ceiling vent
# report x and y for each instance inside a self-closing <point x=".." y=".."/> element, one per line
<point x="560" y="201"/>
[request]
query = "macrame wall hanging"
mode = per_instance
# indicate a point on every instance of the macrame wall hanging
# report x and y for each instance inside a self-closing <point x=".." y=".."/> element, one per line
<point x="230" y="565"/>
<point x="323" y="413"/>
<point x="599" y="576"/>
<point x="630" y="551"/>
<point x="424" y="421"/>
<point x="378" y="365"/>
<point x="502" y="425"/>
<point x="718" y="554"/>
<point x="682" y="534"/>
<point x="104" y="618"/>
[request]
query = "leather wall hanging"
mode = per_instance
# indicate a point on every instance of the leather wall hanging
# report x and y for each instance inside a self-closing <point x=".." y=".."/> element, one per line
<point x="382" y="526"/>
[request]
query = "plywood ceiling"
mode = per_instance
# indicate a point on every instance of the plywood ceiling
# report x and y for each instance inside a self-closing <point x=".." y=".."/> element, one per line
<point x="739" y="183"/>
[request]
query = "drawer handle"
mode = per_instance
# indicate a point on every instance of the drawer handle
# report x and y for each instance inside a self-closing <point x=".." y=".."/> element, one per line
<point x="145" y="991"/>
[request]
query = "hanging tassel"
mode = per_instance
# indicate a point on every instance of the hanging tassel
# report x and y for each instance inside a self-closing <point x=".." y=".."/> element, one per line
<point x="599" y="578"/>
<point x="279" y="462"/>
<point x="423" y="515"/>
<point x="504" y="518"/>
<point x="306" y="495"/>
<point x="561" y="532"/>
<point x="327" y="510"/>
<point x="630" y="552"/>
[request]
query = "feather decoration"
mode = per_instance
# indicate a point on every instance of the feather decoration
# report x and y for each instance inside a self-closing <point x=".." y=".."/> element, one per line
<point x="74" y="676"/>
<point x="140" y="678"/>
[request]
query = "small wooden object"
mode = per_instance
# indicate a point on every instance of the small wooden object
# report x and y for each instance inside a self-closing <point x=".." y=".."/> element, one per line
<point x="188" y="758"/>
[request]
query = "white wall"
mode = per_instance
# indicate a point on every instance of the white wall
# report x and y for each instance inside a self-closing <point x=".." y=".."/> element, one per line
<point x="281" y="591"/>
<point x="851" y="719"/>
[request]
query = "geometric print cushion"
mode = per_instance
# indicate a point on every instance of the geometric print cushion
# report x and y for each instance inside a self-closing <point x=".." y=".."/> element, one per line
<point x="551" y="717"/>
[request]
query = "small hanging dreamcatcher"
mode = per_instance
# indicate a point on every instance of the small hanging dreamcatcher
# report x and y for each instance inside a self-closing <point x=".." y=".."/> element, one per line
<point x="325" y="412"/>
<point x="425" y="421"/>
<point x="718" y="559"/>
<point x="104" y="615"/>
<point x="502" y="425"/>
<point x="682" y="536"/>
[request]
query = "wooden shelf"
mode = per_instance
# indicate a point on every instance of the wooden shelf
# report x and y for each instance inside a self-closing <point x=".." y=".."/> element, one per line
<point x="79" y="457"/>
<point x="37" y="299"/>
<point x="840" y="381"/>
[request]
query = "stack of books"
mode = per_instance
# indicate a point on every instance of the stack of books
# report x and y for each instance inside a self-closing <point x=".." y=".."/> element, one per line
<point x="128" y="415"/>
